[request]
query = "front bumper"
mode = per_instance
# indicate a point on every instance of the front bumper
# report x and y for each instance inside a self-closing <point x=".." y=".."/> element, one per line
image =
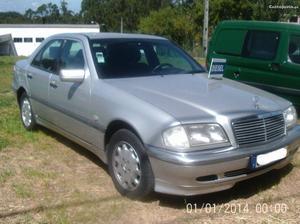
<point x="210" y="171"/>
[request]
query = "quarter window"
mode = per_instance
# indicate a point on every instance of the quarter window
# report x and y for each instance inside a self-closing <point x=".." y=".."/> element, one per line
<point x="261" y="45"/>
<point x="47" y="58"/>
<point x="294" y="49"/>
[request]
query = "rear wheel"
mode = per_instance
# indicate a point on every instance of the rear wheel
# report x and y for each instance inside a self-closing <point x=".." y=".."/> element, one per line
<point x="129" y="165"/>
<point x="26" y="113"/>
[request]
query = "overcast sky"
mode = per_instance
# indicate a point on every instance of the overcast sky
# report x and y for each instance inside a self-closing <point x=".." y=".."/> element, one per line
<point x="22" y="5"/>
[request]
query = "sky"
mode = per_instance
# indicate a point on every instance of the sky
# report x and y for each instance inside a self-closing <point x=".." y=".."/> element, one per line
<point x="22" y="5"/>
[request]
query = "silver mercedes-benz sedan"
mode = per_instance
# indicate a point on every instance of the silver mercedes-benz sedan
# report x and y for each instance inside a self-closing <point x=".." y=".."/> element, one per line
<point x="149" y="111"/>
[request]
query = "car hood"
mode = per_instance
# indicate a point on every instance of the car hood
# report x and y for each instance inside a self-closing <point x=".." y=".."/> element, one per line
<point x="190" y="96"/>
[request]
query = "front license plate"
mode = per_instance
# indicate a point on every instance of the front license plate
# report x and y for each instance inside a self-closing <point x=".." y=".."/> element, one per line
<point x="257" y="161"/>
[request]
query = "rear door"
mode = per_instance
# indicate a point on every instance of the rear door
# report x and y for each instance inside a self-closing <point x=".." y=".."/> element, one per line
<point x="38" y="74"/>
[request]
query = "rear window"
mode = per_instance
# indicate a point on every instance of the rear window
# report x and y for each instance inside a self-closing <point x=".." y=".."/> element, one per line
<point x="261" y="44"/>
<point x="230" y="41"/>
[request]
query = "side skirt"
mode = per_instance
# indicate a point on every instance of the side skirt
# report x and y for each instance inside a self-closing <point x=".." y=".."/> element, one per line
<point x="97" y="151"/>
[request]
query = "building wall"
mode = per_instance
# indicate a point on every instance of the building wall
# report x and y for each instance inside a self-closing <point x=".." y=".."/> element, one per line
<point x="31" y="33"/>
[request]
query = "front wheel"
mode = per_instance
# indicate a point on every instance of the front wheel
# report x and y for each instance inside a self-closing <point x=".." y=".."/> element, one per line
<point x="26" y="113"/>
<point x="129" y="165"/>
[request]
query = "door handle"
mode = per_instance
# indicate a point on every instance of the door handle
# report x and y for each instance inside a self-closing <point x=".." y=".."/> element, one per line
<point x="236" y="74"/>
<point x="29" y="75"/>
<point x="274" y="66"/>
<point x="53" y="84"/>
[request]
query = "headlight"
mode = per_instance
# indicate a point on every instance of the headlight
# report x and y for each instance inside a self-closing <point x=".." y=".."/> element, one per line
<point x="290" y="117"/>
<point x="186" y="136"/>
<point x="176" y="138"/>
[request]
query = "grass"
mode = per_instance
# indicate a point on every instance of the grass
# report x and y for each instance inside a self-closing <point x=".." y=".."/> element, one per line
<point x="45" y="178"/>
<point x="4" y="175"/>
<point x="22" y="191"/>
<point x="11" y="126"/>
<point x="33" y="173"/>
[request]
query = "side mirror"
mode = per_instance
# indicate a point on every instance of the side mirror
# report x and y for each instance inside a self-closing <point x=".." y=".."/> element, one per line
<point x="72" y="75"/>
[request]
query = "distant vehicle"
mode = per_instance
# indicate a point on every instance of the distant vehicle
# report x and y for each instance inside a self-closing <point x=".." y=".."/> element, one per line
<point x="27" y="37"/>
<point x="263" y="54"/>
<point x="149" y="111"/>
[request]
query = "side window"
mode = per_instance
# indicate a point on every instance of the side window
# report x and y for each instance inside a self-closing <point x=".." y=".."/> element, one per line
<point x="294" y="49"/>
<point x="230" y="41"/>
<point x="72" y="56"/>
<point x="261" y="45"/>
<point x="167" y="55"/>
<point x="47" y="58"/>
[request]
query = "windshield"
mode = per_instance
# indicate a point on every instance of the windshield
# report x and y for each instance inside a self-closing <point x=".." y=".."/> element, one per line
<point x="117" y="58"/>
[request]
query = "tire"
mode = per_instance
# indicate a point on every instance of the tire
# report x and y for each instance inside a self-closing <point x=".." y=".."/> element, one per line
<point x="26" y="113"/>
<point x="129" y="165"/>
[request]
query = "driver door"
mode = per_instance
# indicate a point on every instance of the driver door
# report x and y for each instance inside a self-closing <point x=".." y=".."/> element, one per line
<point x="72" y="99"/>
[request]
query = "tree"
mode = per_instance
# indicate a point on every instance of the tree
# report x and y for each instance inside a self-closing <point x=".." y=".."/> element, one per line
<point x="12" y="17"/>
<point x="230" y="9"/>
<point x="171" y="22"/>
<point x="51" y="13"/>
<point x="110" y="12"/>
<point x="263" y="9"/>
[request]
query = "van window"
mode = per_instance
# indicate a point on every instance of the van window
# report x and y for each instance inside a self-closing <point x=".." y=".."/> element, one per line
<point x="294" y="49"/>
<point x="261" y="44"/>
<point x="230" y="41"/>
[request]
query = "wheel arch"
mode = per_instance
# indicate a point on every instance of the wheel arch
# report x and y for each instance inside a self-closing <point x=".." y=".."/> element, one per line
<point x="116" y="125"/>
<point x="19" y="93"/>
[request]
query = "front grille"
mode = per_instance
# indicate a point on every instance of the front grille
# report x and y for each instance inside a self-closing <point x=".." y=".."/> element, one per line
<point x="258" y="130"/>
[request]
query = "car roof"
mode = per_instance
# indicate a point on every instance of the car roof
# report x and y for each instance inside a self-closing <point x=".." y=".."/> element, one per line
<point x="260" y="24"/>
<point x="106" y="35"/>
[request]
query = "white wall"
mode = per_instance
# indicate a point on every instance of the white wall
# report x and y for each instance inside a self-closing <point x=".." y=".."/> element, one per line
<point x="25" y="49"/>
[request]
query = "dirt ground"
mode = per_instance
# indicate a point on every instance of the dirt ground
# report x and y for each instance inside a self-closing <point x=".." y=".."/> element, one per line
<point x="53" y="180"/>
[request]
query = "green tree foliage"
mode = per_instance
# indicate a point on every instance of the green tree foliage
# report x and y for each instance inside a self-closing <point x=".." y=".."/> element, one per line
<point x="174" y="23"/>
<point x="183" y="21"/>
<point x="110" y="12"/>
<point x="45" y="13"/>
<point x="230" y="9"/>
<point x="262" y="9"/>
<point x="12" y="17"/>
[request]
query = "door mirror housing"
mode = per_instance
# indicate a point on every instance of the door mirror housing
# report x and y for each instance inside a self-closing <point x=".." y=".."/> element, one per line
<point x="72" y="75"/>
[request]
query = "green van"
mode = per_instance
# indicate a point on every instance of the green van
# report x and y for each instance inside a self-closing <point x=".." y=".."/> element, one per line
<point x="263" y="54"/>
